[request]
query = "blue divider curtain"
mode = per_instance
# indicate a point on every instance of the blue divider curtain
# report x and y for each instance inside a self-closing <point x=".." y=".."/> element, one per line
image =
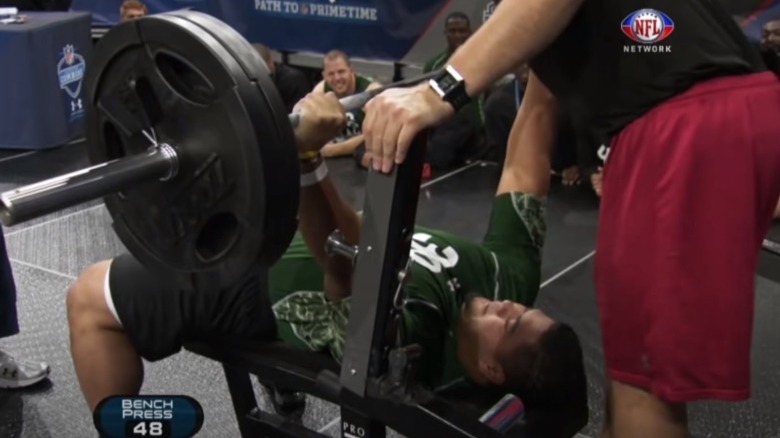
<point x="375" y="29"/>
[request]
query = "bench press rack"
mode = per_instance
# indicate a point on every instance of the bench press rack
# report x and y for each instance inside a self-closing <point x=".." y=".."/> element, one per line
<point x="375" y="386"/>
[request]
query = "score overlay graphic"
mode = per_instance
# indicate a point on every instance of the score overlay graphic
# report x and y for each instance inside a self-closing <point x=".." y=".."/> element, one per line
<point x="167" y="416"/>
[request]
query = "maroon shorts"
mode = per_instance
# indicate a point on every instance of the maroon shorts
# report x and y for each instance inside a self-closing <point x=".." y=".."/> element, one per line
<point x="688" y="195"/>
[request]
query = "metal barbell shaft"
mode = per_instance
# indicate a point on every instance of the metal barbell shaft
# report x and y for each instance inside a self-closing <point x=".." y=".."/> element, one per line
<point x="83" y="185"/>
<point x="159" y="163"/>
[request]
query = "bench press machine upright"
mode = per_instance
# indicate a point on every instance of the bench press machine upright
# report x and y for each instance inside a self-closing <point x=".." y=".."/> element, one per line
<point x="375" y="385"/>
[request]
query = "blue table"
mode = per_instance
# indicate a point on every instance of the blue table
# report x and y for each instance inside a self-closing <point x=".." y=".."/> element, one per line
<point x="41" y="79"/>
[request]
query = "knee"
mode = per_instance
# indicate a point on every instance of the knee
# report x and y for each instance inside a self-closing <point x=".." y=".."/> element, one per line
<point x="85" y="302"/>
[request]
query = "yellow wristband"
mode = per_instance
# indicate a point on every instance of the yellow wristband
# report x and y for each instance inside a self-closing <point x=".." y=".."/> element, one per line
<point x="308" y="155"/>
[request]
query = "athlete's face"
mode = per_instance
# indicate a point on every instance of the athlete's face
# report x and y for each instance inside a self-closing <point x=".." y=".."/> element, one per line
<point x="490" y="329"/>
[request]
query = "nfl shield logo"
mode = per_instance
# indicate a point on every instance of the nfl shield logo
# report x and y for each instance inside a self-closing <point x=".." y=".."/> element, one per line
<point x="647" y="26"/>
<point x="68" y="52"/>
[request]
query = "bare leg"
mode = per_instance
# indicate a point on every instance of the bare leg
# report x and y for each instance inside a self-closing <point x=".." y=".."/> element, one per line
<point x="635" y="413"/>
<point x="106" y="362"/>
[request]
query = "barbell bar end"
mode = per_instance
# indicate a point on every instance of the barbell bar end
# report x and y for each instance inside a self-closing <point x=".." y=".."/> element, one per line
<point x="35" y="200"/>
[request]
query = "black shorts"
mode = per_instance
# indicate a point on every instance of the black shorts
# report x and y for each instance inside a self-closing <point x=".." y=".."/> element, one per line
<point x="159" y="316"/>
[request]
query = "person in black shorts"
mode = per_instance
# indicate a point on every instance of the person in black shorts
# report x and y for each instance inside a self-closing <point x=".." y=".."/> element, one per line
<point x="685" y="99"/>
<point x="119" y="312"/>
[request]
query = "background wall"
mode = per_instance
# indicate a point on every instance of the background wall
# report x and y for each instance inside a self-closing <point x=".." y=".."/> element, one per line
<point x="377" y="33"/>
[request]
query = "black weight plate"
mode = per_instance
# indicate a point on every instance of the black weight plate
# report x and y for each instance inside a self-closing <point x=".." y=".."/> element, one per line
<point x="280" y="159"/>
<point x="169" y="74"/>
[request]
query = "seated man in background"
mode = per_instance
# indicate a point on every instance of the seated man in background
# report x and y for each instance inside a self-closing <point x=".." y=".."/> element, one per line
<point x="501" y="106"/>
<point x="339" y="77"/>
<point x="459" y="139"/>
<point x="293" y="85"/>
<point x="770" y="41"/>
<point x="468" y="304"/>
<point x="132" y="9"/>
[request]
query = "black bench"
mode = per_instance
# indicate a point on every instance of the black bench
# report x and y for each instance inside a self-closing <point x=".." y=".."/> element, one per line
<point x="374" y="386"/>
<point x="453" y="414"/>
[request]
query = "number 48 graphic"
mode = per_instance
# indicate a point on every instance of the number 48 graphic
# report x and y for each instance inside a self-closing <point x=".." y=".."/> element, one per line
<point x="144" y="428"/>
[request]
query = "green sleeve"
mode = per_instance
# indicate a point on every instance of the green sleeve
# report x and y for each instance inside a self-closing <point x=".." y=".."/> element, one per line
<point x="516" y="234"/>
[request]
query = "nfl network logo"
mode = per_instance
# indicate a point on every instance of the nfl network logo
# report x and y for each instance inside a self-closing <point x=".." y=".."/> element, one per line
<point x="648" y="27"/>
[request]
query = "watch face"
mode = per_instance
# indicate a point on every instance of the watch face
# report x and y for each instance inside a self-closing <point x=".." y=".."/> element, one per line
<point x="447" y="82"/>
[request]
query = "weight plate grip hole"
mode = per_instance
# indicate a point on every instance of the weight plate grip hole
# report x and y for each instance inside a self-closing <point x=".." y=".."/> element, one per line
<point x="184" y="78"/>
<point x="217" y="237"/>
<point x="151" y="106"/>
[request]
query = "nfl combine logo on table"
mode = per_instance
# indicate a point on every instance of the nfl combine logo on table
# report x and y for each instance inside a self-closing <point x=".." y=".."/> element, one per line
<point x="70" y="70"/>
<point x="647" y="27"/>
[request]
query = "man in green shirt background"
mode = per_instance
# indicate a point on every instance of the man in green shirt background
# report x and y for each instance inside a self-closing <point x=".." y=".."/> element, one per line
<point x="462" y="137"/>
<point x="339" y="77"/>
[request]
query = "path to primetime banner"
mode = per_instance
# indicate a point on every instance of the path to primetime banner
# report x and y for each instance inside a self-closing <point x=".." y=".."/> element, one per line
<point x="314" y="10"/>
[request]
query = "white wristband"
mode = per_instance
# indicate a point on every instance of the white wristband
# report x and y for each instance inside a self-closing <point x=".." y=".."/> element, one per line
<point x="316" y="176"/>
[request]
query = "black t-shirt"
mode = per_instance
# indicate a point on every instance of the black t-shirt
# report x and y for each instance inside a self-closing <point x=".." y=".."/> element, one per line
<point x="607" y="78"/>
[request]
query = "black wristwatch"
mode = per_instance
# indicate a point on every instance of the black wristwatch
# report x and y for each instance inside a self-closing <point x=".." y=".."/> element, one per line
<point x="449" y="85"/>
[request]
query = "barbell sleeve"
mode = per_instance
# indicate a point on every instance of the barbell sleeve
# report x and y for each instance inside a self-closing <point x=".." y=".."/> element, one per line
<point x="83" y="185"/>
<point x="358" y="100"/>
<point x="336" y="244"/>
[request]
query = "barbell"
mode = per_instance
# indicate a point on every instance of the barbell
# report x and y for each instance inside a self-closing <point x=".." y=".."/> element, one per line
<point x="191" y="149"/>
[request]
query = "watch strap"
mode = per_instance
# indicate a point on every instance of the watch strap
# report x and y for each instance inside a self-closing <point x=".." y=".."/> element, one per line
<point x="450" y="86"/>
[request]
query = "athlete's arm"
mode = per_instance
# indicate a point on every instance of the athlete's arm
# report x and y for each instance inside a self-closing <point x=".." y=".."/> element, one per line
<point x="527" y="163"/>
<point x="321" y="208"/>
<point x="345" y="147"/>
<point x="515" y="33"/>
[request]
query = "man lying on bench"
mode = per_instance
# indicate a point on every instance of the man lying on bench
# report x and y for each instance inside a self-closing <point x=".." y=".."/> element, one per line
<point x="467" y="302"/>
